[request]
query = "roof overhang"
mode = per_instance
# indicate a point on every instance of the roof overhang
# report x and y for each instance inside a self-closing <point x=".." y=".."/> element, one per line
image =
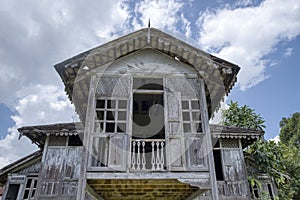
<point x="38" y="134"/>
<point x="219" y="75"/>
<point x="247" y="136"/>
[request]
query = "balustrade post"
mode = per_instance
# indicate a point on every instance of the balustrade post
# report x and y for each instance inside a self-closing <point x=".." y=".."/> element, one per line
<point x="138" y="159"/>
<point x="162" y="161"/>
<point x="157" y="157"/>
<point x="143" y="156"/>
<point x="153" y="156"/>
<point x="133" y="161"/>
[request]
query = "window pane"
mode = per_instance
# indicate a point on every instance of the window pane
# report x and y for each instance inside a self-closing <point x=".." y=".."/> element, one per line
<point x="199" y="128"/>
<point x="100" y="103"/>
<point x="186" y="116"/>
<point x="185" y="105"/>
<point x="28" y="184"/>
<point x="99" y="127"/>
<point x="195" y="104"/>
<point x="122" y="115"/>
<point x="32" y="194"/>
<point x="35" y="183"/>
<point x="186" y="128"/>
<point x="99" y="115"/>
<point x="26" y="194"/>
<point x="110" y="127"/>
<point x="110" y="115"/>
<point x="111" y="104"/>
<point x="196" y="116"/>
<point x="122" y="104"/>
<point x="121" y="128"/>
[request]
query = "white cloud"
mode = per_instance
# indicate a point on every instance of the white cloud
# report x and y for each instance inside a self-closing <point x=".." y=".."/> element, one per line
<point x="186" y="26"/>
<point x="40" y="104"/>
<point x="162" y="14"/>
<point x="247" y="35"/>
<point x="34" y="36"/>
<point x="288" y="52"/>
<point x="37" y="34"/>
<point x="276" y="139"/>
<point x="217" y="118"/>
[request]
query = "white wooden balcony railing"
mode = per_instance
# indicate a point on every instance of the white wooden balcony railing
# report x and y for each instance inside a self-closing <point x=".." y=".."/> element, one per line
<point x="148" y="154"/>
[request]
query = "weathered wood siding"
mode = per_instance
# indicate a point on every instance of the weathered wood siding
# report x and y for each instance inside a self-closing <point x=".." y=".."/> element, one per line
<point x="58" y="178"/>
<point x="147" y="62"/>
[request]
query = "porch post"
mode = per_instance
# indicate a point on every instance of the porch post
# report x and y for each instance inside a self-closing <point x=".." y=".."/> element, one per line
<point x="88" y="126"/>
<point x="206" y="129"/>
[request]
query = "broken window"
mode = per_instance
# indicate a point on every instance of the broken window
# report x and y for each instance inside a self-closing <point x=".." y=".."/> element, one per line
<point x="30" y="188"/>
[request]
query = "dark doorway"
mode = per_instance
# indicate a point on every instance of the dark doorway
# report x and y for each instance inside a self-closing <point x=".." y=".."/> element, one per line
<point x="148" y="116"/>
<point x="13" y="191"/>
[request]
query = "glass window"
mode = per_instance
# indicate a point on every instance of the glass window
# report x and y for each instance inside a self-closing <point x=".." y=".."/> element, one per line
<point x="191" y="116"/>
<point x="30" y="188"/>
<point x="109" y="113"/>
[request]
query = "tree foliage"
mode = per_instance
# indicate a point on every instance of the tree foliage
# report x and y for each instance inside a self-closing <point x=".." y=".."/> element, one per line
<point x="290" y="130"/>
<point x="243" y="117"/>
<point x="281" y="162"/>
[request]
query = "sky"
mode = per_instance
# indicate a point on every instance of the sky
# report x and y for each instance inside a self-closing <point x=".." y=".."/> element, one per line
<point x="262" y="37"/>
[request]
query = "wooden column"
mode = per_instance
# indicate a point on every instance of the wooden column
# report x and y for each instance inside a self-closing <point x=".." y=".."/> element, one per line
<point x="206" y="129"/>
<point x="88" y="128"/>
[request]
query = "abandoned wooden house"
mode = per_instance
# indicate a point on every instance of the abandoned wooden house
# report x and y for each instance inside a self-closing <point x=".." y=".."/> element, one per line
<point x="144" y="102"/>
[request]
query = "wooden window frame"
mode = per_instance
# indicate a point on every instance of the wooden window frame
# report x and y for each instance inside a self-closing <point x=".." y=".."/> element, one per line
<point x="32" y="189"/>
<point x="115" y="112"/>
<point x="194" y="124"/>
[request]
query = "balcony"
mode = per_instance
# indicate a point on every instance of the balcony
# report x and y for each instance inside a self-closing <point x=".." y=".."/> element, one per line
<point x="120" y="152"/>
<point x="148" y="154"/>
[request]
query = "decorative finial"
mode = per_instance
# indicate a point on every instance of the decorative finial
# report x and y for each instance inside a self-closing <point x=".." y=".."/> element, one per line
<point x="148" y="35"/>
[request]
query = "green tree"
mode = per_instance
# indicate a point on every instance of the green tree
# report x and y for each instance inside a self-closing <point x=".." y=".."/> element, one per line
<point x="281" y="162"/>
<point x="243" y="117"/>
<point x="290" y="130"/>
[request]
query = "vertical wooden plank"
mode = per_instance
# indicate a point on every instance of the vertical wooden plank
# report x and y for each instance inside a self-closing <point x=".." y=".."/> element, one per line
<point x="175" y="141"/>
<point x="117" y="152"/>
<point x="206" y="129"/>
<point x="196" y="159"/>
<point x="90" y="116"/>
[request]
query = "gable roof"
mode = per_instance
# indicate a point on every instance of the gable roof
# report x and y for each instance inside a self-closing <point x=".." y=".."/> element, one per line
<point x="37" y="134"/>
<point x="218" y="74"/>
<point x="19" y="165"/>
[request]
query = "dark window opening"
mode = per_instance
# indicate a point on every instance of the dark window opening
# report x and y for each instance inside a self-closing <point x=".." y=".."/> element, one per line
<point x="13" y="191"/>
<point x="74" y="140"/>
<point x="270" y="191"/>
<point x="148" y="83"/>
<point x="57" y="140"/>
<point x="148" y="116"/>
<point x="218" y="165"/>
<point x="254" y="191"/>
